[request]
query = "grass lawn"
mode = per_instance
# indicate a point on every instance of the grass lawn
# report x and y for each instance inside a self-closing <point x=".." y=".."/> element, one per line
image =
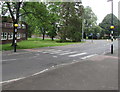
<point x="35" y="43"/>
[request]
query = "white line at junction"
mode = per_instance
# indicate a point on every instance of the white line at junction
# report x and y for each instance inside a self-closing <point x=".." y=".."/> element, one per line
<point x="12" y="80"/>
<point x="88" y="56"/>
<point x="77" y="54"/>
<point x="68" y="53"/>
<point x="9" y="60"/>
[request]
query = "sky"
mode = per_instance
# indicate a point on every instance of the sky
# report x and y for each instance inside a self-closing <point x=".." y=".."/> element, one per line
<point x="101" y="8"/>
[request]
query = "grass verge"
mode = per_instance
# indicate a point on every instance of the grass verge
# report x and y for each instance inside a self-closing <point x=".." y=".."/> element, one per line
<point x="35" y="43"/>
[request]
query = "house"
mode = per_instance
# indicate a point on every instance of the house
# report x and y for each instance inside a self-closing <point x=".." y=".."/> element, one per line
<point x="7" y="31"/>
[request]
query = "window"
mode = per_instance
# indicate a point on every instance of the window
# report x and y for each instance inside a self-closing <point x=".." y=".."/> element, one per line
<point x="3" y="36"/>
<point x="18" y="35"/>
<point x="8" y="25"/>
<point x="24" y="35"/>
<point x="19" y="26"/>
<point x="23" y="26"/>
<point x="10" y="36"/>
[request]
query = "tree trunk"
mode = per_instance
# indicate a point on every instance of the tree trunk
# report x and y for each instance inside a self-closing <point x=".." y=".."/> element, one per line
<point x="13" y="35"/>
<point x="43" y="36"/>
<point x="52" y="38"/>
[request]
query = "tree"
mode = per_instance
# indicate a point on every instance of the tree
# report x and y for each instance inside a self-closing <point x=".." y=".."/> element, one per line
<point x="71" y="13"/>
<point x="54" y="18"/>
<point x="39" y="17"/>
<point x="106" y="23"/>
<point x="44" y="16"/>
<point x="89" y="20"/>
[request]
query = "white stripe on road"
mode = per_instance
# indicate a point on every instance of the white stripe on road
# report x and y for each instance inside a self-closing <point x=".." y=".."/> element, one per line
<point x="56" y="52"/>
<point x="55" y="56"/>
<point x="9" y="59"/>
<point x="77" y="54"/>
<point x="12" y="80"/>
<point x="68" y="53"/>
<point x="40" y="72"/>
<point x="88" y="56"/>
<point x="47" y="51"/>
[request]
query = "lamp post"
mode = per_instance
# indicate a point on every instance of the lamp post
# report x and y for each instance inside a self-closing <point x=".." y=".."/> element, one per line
<point x="111" y="27"/>
<point x="15" y="40"/>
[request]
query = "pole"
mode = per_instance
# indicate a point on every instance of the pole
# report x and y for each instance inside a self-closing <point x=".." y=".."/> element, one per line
<point x="15" y="39"/>
<point x="111" y="28"/>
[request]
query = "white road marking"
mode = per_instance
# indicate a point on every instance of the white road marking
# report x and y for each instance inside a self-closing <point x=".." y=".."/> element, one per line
<point x="47" y="51"/>
<point x="60" y="52"/>
<point x="9" y="59"/>
<point x="77" y="54"/>
<point x="51" y="50"/>
<point x="39" y="51"/>
<point x="68" y="53"/>
<point x="88" y="56"/>
<point x="40" y="72"/>
<point x="55" y="56"/>
<point x="44" y="52"/>
<point x="12" y="80"/>
<point x="56" y="52"/>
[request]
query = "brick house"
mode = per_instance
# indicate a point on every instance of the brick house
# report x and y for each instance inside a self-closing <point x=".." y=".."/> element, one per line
<point x="7" y="31"/>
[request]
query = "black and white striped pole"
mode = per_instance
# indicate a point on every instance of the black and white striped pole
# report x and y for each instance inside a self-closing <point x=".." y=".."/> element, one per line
<point x="111" y="27"/>
<point x="15" y="40"/>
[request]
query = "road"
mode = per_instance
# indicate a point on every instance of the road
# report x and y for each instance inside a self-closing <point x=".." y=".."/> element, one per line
<point x="32" y="61"/>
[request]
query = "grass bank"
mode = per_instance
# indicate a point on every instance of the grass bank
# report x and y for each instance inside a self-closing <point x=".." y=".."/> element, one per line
<point x="35" y="43"/>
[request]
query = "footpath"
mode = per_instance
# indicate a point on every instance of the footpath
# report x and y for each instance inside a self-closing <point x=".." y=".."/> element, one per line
<point x="96" y="73"/>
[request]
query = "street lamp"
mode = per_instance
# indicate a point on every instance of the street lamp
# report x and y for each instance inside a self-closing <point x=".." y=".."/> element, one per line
<point x="15" y="40"/>
<point x="111" y="27"/>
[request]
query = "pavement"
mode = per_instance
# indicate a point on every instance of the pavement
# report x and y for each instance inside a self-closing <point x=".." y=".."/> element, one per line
<point x="96" y="73"/>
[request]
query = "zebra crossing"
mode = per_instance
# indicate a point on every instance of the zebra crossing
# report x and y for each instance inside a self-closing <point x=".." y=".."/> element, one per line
<point x="68" y="53"/>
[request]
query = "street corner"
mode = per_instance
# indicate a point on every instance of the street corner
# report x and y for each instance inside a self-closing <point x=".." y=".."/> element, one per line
<point x="11" y="52"/>
<point x="104" y="58"/>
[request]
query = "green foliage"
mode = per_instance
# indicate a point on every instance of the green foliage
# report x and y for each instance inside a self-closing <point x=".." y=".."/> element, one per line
<point x="106" y="23"/>
<point x="74" y="29"/>
<point x="89" y="20"/>
<point x="43" y="18"/>
<point x="71" y="13"/>
<point x="54" y="18"/>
